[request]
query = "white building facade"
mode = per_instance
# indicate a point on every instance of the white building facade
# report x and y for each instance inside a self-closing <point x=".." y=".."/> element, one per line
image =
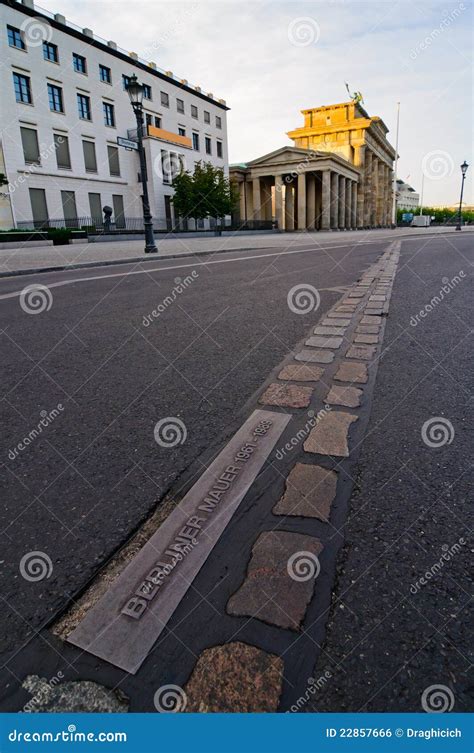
<point x="407" y="197"/>
<point x="64" y="103"/>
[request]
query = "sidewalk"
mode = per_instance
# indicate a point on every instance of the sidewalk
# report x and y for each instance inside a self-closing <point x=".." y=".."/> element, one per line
<point x="27" y="259"/>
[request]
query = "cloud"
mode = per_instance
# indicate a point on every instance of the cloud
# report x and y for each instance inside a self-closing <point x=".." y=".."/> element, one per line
<point x="416" y="53"/>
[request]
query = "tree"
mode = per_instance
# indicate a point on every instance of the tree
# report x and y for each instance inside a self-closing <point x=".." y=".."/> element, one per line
<point x="205" y="193"/>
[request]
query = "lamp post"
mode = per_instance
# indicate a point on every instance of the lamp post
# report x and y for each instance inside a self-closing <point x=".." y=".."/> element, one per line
<point x="464" y="167"/>
<point x="135" y="92"/>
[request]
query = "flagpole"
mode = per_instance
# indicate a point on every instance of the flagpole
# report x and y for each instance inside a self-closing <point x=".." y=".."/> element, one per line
<point x="394" y="187"/>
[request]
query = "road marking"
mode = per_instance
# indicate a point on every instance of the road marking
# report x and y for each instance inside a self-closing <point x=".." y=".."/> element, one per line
<point x="16" y="293"/>
<point x="126" y="622"/>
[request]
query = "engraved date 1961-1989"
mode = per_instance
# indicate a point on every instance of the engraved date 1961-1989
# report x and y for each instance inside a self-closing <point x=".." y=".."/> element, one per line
<point x="247" y="449"/>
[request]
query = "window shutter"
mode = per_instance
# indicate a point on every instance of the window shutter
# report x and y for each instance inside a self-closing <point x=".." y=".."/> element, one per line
<point x="61" y="144"/>
<point x="29" y="139"/>
<point x="89" y="156"/>
<point x="114" y="164"/>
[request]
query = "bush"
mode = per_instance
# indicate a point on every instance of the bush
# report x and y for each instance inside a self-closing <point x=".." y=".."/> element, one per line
<point x="60" y="235"/>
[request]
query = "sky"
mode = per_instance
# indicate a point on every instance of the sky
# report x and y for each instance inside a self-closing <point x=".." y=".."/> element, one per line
<point x="269" y="60"/>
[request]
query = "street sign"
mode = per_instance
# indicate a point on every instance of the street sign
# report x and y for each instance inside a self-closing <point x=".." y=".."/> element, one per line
<point x="407" y="216"/>
<point x="127" y="143"/>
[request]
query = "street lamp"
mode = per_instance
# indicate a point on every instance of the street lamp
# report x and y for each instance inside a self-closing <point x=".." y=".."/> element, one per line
<point x="464" y="167"/>
<point x="135" y="92"/>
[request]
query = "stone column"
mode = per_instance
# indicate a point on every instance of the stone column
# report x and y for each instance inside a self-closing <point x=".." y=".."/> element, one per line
<point x="257" y="202"/>
<point x="310" y="201"/>
<point x="302" y="201"/>
<point x="348" y="194"/>
<point x="289" y="206"/>
<point x="355" y="205"/>
<point x="326" y="200"/>
<point x="279" y="201"/>
<point x="334" y="201"/>
<point x="342" y="203"/>
<point x="368" y="188"/>
<point x="266" y="200"/>
<point x="242" y="206"/>
<point x="359" y="161"/>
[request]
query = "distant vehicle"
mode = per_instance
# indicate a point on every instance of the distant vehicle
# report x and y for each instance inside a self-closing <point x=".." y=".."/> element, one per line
<point x="421" y="220"/>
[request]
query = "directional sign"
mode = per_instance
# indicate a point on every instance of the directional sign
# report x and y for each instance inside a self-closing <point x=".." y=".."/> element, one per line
<point x="127" y="143"/>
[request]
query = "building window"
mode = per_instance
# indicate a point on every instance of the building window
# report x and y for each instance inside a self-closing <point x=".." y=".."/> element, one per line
<point x="157" y="122"/>
<point x="39" y="208"/>
<point x="125" y="81"/>
<point x="180" y="105"/>
<point x="61" y="145"/>
<point x="166" y="163"/>
<point x="196" y="142"/>
<point x="164" y="99"/>
<point x="29" y="140"/>
<point x="181" y="131"/>
<point x="55" y="96"/>
<point x="50" y="52"/>
<point x="90" y="159"/>
<point x="218" y="121"/>
<point x="114" y="163"/>
<point x="105" y="74"/>
<point x="68" y="199"/>
<point x="109" y="114"/>
<point x="84" y="107"/>
<point x="146" y="91"/>
<point x="207" y="144"/>
<point x="22" y="88"/>
<point x="79" y="63"/>
<point x="15" y="38"/>
<point x="194" y="111"/>
<point x="207" y="116"/>
<point x="219" y="148"/>
<point x="95" y="206"/>
<point x="148" y="119"/>
<point x="119" y="213"/>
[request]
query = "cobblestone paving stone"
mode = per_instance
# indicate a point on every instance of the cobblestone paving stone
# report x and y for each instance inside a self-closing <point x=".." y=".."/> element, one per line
<point x="350" y="371"/>
<point x="329" y="330"/>
<point x="287" y="396"/>
<point x="324" y="342"/>
<point x="301" y="372"/>
<point x="367" y="339"/>
<point x="371" y="319"/>
<point x="315" y="356"/>
<point x="348" y="396"/>
<point x="309" y="492"/>
<point x="331" y="322"/>
<point x="234" y="678"/>
<point x="368" y="329"/>
<point x="271" y="591"/>
<point x="338" y="315"/>
<point x="330" y="435"/>
<point x="366" y="352"/>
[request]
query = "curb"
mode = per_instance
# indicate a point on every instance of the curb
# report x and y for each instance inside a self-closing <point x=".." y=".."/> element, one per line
<point x="155" y="258"/>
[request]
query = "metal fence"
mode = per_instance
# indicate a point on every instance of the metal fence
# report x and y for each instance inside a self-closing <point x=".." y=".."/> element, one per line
<point x="99" y="226"/>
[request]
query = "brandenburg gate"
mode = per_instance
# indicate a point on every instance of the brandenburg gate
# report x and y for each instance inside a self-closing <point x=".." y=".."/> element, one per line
<point x="337" y="176"/>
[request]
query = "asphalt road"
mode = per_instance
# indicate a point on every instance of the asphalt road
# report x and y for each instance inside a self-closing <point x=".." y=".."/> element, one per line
<point x="86" y="483"/>
<point x="93" y="475"/>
